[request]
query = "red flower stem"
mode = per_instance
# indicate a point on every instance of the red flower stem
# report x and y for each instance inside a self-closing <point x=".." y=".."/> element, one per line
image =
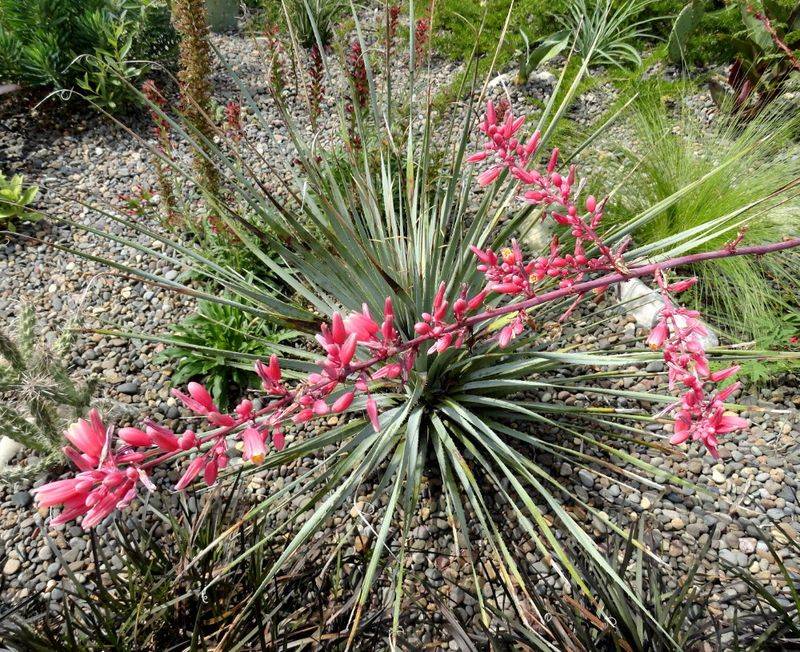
<point x="587" y="286"/>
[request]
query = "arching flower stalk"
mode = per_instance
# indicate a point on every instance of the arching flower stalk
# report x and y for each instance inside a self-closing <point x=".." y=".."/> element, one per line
<point x="363" y="353"/>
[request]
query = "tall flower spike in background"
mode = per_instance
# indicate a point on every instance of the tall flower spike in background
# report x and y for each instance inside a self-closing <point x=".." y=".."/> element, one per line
<point x="191" y="21"/>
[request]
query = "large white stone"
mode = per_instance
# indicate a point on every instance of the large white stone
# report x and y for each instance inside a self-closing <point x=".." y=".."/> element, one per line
<point x="8" y="448"/>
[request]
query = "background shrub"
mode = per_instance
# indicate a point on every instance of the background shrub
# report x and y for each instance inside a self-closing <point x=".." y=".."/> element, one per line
<point x="41" y="42"/>
<point x="203" y="343"/>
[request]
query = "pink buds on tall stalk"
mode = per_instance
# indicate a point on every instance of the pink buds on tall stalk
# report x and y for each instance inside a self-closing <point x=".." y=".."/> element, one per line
<point x="316" y="88"/>
<point x="233" y="121"/>
<point x="700" y="416"/>
<point x="362" y="353"/>
<point x="357" y="70"/>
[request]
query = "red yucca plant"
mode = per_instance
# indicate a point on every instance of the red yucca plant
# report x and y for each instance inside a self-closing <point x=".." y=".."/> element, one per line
<point x="433" y="342"/>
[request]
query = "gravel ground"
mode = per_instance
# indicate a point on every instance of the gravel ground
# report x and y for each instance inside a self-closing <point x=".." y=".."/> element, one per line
<point x="87" y="159"/>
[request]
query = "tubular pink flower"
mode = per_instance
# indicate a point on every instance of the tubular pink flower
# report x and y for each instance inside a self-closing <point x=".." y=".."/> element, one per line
<point x="348" y="349"/>
<point x="304" y="415"/>
<point x="210" y="472"/>
<point x="337" y="329"/>
<point x="723" y="374"/>
<point x="372" y="413"/>
<point x="162" y="437"/>
<point x="343" y="402"/>
<point x="254" y="450"/>
<point x="194" y="405"/>
<point x="489" y="176"/>
<point x="278" y="440"/>
<point x="362" y="325"/>
<point x="245" y="409"/>
<point x="134" y="437"/>
<point x="274" y="369"/>
<point x="194" y="469"/>
<point x="477" y="157"/>
<point x="658" y="335"/>
<point x="83" y="461"/>
<point x="224" y="420"/>
<point x="200" y="394"/>
<point x="88" y="436"/>
<point x="187" y="440"/>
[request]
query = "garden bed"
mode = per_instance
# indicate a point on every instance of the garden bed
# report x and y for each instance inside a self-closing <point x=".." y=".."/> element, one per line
<point x="88" y="159"/>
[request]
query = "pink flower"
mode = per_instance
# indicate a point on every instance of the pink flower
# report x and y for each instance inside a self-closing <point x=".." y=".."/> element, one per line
<point x="135" y="437"/>
<point x="218" y="419"/>
<point x="489" y="176"/>
<point x="270" y="374"/>
<point x="198" y="400"/>
<point x="343" y="402"/>
<point x="187" y="440"/>
<point x="723" y="374"/>
<point x="278" y="440"/>
<point x="362" y="325"/>
<point x="254" y="449"/>
<point x="210" y="472"/>
<point x="197" y="465"/>
<point x="93" y="493"/>
<point x="372" y="413"/>
<point x="162" y="437"/>
<point x="658" y="335"/>
<point x="244" y="409"/>
<point x="88" y="436"/>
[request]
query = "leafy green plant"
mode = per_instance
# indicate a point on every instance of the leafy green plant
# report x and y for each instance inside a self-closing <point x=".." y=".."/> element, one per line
<point x="15" y="198"/>
<point x="63" y="44"/>
<point x="107" y="74"/>
<point x="479" y="419"/>
<point x="201" y="347"/>
<point x="313" y="22"/>
<point x="540" y="52"/>
<point x="767" y="53"/>
<point x="38" y="399"/>
<point x="685" y="24"/>
<point x="607" y="32"/>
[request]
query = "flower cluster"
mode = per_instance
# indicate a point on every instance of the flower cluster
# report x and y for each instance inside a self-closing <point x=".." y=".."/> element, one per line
<point x="422" y="32"/>
<point x="392" y="21"/>
<point x="277" y="67"/>
<point x="362" y="352"/>
<point x="357" y="70"/>
<point x="551" y="190"/>
<point x="233" y="121"/>
<point x="316" y="89"/>
<point x="102" y="486"/>
<point x="679" y="333"/>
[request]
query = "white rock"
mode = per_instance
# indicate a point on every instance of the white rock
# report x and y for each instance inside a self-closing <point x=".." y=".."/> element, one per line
<point x="8" y="448"/>
<point x="645" y="303"/>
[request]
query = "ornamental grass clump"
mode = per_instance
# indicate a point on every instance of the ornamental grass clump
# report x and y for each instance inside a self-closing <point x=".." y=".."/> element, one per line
<point x="432" y="339"/>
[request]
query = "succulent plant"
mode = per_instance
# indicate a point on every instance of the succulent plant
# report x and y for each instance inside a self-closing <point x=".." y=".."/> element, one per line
<point x="14" y="200"/>
<point x="37" y="396"/>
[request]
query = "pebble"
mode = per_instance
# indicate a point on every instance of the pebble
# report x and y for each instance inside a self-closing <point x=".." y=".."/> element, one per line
<point x="11" y="566"/>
